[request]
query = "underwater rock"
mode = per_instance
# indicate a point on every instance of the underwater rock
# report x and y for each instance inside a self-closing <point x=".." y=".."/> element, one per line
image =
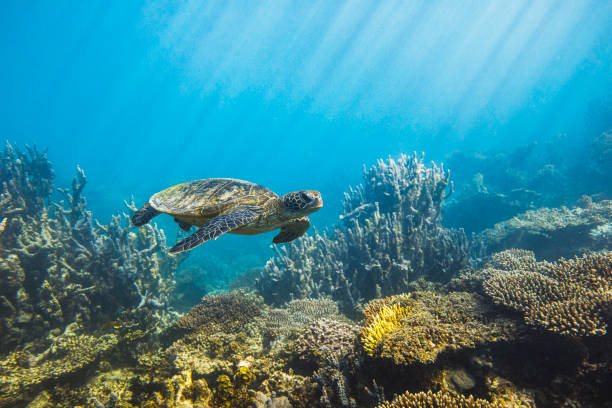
<point x="390" y="235"/>
<point x="566" y="297"/>
<point x="417" y="327"/>
<point x="555" y="232"/>
<point x="602" y="153"/>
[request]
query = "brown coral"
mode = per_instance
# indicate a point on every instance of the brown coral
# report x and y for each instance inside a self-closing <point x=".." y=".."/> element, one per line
<point x="296" y="315"/>
<point x="229" y="310"/>
<point x="20" y="373"/>
<point x="324" y="339"/>
<point x="437" y="323"/>
<point x="440" y="399"/>
<point x="566" y="297"/>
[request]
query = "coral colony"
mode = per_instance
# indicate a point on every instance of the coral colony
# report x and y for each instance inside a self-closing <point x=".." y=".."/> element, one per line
<point x="389" y="308"/>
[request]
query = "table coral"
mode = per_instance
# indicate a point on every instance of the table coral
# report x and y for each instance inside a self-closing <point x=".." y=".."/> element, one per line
<point x="566" y="297"/>
<point x="229" y="311"/>
<point x="324" y="339"/>
<point x="296" y="315"/>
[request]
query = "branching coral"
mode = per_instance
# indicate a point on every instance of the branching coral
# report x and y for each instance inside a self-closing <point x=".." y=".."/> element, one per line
<point x="390" y="235"/>
<point x="566" y="297"/>
<point x="419" y="326"/>
<point x="440" y="399"/>
<point x="60" y="266"/>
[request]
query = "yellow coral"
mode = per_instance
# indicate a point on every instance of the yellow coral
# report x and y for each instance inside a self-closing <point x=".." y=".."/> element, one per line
<point x="385" y="321"/>
<point x="440" y="399"/>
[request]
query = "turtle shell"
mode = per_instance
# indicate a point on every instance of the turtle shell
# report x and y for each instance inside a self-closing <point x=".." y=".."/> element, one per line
<point x="209" y="197"/>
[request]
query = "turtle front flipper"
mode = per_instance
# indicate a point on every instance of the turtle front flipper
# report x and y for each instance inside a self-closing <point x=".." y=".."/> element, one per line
<point x="214" y="228"/>
<point x="144" y="215"/>
<point x="292" y="230"/>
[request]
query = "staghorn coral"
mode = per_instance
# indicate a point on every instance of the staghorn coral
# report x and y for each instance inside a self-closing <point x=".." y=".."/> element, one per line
<point x="59" y="266"/>
<point x="390" y="235"/>
<point x="426" y="324"/>
<point x="565" y="297"/>
<point x="26" y="180"/>
<point x="440" y="399"/>
<point x="554" y="232"/>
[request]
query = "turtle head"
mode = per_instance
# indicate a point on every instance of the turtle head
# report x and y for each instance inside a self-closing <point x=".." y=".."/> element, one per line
<point x="301" y="203"/>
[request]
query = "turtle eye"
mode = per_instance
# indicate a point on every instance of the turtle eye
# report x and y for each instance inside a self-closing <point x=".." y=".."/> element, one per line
<point x="306" y="197"/>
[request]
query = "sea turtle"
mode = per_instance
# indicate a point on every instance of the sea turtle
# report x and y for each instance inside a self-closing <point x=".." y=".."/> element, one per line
<point x="220" y="205"/>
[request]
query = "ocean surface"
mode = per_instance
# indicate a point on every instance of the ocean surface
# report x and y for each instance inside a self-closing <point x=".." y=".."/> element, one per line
<point x="514" y="98"/>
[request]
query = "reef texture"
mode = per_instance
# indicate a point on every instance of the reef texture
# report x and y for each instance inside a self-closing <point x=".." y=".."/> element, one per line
<point x="555" y="232"/>
<point x="440" y="399"/>
<point x="298" y="314"/>
<point x="58" y="266"/>
<point x="22" y="373"/>
<point x="390" y="235"/>
<point x="417" y="327"/>
<point x="568" y="297"/>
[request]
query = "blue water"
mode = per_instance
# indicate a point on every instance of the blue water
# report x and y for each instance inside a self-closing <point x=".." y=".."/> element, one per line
<point x="293" y="95"/>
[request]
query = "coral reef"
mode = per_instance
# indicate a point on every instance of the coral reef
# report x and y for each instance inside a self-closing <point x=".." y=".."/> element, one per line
<point x="440" y="399"/>
<point x="495" y="185"/>
<point x="419" y="326"/>
<point x="566" y="297"/>
<point x="381" y="319"/>
<point x="555" y="232"/>
<point x="86" y="316"/>
<point x="298" y="314"/>
<point x="228" y="311"/>
<point x="390" y="235"/>
<point x="22" y="373"/>
<point x="325" y="339"/>
<point x="602" y="153"/>
<point x="59" y="266"/>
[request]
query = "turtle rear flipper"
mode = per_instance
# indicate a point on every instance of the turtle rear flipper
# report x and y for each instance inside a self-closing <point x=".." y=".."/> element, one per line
<point x="144" y="215"/>
<point x="292" y="230"/>
<point x="214" y="228"/>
